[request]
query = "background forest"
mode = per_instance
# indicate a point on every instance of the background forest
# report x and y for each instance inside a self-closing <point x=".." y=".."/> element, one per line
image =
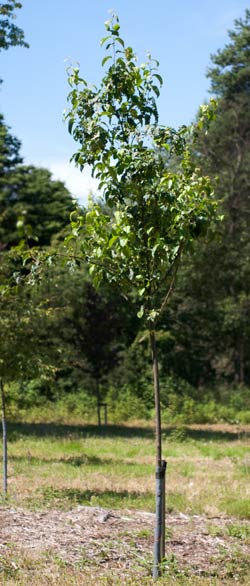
<point x="65" y="346"/>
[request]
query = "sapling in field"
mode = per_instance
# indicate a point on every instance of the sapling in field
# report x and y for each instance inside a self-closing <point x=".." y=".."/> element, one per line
<point x="155" y="203"/>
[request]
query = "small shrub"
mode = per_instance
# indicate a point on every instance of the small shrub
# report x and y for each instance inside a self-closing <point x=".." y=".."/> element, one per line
<point x="239" y="531"/>
<point x="237" y="507"/>
<point x="178" y="434"/>
<point x="124" y="405"/>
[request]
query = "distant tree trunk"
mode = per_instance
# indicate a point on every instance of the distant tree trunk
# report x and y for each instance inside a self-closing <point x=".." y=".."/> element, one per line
<point x="4" y="427"/>
<point x="241" y="360"/>
<point x="98" y="402"/>
<point x="159" y="539"/>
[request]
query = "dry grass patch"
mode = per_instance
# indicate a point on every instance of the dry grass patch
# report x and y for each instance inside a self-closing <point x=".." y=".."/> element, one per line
<point x="115" y="547"/>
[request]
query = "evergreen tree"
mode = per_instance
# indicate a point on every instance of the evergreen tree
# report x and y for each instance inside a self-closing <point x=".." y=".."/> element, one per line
<point x="30" y="200"/>
<point x="230" y="74"/>
<point x="216" y="285"/>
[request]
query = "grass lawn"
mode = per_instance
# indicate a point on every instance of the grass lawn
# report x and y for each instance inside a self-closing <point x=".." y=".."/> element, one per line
<point x="58" y="470"/>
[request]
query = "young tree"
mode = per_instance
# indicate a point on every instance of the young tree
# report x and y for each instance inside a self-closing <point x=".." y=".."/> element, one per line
<point x="29" y="345"/>
<point x="29" y="199"/>
<point x="155" y="212"/>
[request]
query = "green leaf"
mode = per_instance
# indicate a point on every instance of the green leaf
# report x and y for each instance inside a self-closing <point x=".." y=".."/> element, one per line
<point x="153" y="314"/>
<point x="105" y="59"/>
<point x="141" y="291"/>
<point x="158" y="77"/>
<point x="104" y="40"/>
<point x="154" y="249"/>
<point x="156" y="90"/>
<point x="69" y="238"/>
<point x="73" y="215"/>
<point x="120" y="41"/>
<point x="140" y="313"/>
<point x="112" y="241"/>
<point x="70" y="124"/>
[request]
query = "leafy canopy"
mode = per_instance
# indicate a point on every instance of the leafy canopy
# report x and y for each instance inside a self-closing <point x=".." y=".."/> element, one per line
<point x="32" y="204"/>
<point x="154" y="210"/>
<point x="10" y="34"/>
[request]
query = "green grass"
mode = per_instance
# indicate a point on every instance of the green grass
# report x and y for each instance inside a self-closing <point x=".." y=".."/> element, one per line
<point x="59" y="466"/>
<point x="237" y="507"/>
<point x="220" y="451"/>
<point x="208" y="470"/>
<point x="52" y="571"/>
<point x="240" y="531"/>
<point x="187" y="469"/>
<point x="68" y="497"/>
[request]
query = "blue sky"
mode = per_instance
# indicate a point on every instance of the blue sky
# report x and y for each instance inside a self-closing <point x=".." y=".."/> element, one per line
<point x="181" y="34"/>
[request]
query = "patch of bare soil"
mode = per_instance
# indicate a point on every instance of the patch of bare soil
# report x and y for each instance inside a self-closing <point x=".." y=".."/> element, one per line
<point x="116" y="540"/>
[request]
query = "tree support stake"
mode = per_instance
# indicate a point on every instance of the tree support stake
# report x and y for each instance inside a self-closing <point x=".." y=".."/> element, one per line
<point x="4" y="427"/>
<point x="159" y="542"/>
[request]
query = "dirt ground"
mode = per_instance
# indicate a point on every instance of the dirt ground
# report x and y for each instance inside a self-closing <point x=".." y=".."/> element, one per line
<point x="114" y="540"/>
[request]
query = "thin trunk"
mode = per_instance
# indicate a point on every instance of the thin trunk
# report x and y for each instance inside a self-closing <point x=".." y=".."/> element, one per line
<point x="98" y="402"/>
<point x="4" y="427"/>
<point x="241" y="361"/>
<point x="105" y="413"/>
<point x="159" y="539"/>
<point x="157" y="398"/>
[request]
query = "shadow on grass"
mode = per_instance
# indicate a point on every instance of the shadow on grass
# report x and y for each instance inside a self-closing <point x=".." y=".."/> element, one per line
<point x="75" y="461"/>
<point x="205" y="434"/>
<point x="111" y="499"/>
<point x="57" y="430"/>
<point x="106" y="498"/>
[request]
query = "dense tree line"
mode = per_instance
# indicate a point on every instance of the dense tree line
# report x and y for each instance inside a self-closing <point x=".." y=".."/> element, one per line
<point x="64" y="337"/>
<point x="216" y="280"/>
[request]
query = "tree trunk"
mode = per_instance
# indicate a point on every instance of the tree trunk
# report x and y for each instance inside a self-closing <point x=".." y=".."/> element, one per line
<point x="98" y="403"/>
<point x="157" y="398"/>
<point x="159" y="539"/>
<point x="4" y="427"/>
<point x="241" y="361"/>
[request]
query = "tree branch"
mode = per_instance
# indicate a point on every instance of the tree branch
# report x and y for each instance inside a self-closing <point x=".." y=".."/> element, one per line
<point x="174" y="267"/>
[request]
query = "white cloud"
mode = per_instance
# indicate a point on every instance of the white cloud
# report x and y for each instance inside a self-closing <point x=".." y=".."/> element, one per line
<point x="79" y="183"/>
